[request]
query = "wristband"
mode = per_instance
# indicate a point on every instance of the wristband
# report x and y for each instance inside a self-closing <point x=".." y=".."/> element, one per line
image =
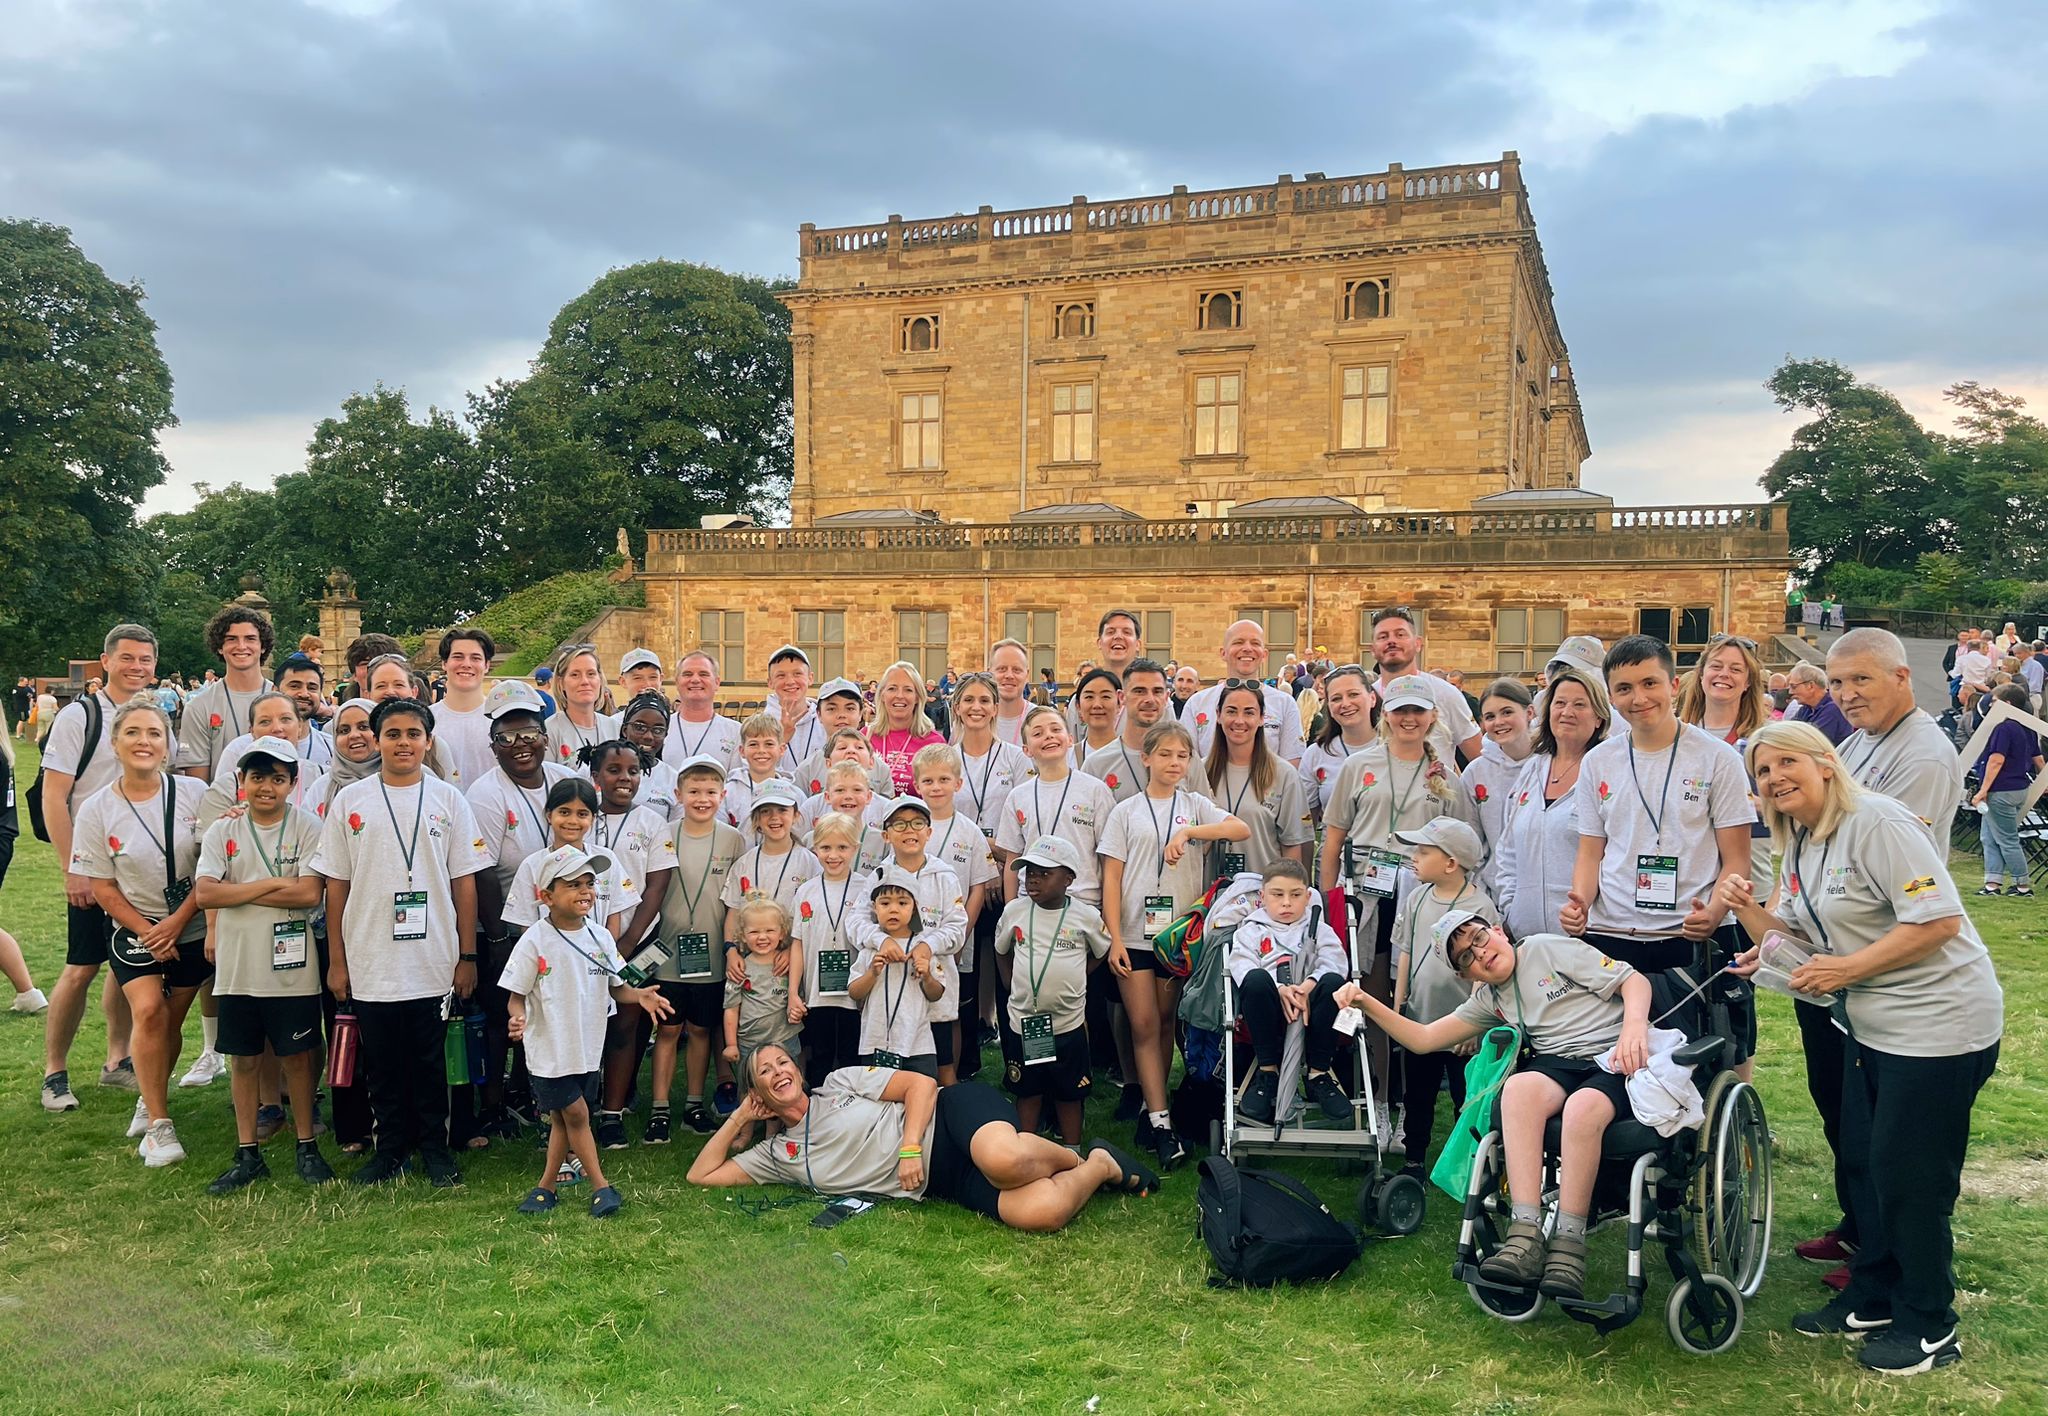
<point x="467" y="958"/>
<point x="911" y="1153"/>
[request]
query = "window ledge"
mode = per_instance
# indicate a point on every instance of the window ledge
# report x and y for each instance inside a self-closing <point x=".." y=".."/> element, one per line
<point x="1360" y="454"/>
<point x="1093" y="466"/>
<point x="1215" y="459"/>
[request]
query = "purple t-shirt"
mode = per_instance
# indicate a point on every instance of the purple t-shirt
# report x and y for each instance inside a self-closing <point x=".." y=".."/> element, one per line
<point x="2020" y="746"/>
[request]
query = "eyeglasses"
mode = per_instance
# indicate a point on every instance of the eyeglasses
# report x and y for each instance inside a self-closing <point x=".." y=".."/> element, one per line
<point x="913" y="824"/>
<point x="522" y="737"/>
<point x="1462" y="959"/>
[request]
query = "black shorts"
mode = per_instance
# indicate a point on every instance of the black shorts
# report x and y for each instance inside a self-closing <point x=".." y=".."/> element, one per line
<point x="699" y="1004"/>
<point x="289" y="1025"/>
<point x="552" y="1094"/>
<point x="1576" y="1074"/>
<point x="1065" y="1078"/>
<point x="85" y="935"/>
<point x="188" y="970"/>
<point x="942" y="1041"/>
<point x="950" y="1170"/>
<point x="1142" y="961"/>
<point x="1657" y="956"/>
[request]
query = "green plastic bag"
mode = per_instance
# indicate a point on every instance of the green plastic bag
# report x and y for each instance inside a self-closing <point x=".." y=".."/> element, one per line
<point x="1485" y="1074"/>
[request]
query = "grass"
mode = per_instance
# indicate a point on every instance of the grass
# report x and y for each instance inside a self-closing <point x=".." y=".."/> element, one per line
<point x="127" y="1289"/>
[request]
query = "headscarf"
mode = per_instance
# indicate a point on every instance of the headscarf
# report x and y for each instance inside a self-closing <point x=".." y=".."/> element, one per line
<point x="344" y="771"/>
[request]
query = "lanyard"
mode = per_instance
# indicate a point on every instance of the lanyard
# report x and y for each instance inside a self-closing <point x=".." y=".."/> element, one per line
<point x="1414" y="920"/>
<point x="1031" y="944"/>
<point x="604" y="835"/>
<point x="1656" y="817"/>
<point x="1038" y="810"/>
<point x="234" y="724"/>
<point x="891" y="1009"/>
<point x="787" y="857"/>
<point x="1172" y="805"/>
<point x="811" y="1184"/>
<point x="690" y="902"/>
<point x="789" y="749"/>
<point x="825" y="899"/>
<point x="582" y="741"/>
<point x="540" y="825"/>
<point x="257" y="835"/>
<point x="980" y="794"/>
<point x="688" y="750"/>
<point x="952" y="823"/>
<point x="170" y="796"/>
<point x="1401" y="801"/>
<point x="1806" y="899"/>
<point x="610" y="972"/>
<point x="1238" y="801"/>
<point x="1129" y="766"/>
<point x="419" y="806"/>
<point x="1877" y="745"/>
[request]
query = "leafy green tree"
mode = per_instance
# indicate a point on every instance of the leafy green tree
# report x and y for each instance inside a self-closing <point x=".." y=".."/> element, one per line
<point x="562" y="494"/>
<point x="681" y="374"/>
<point x="1994" y="476"/>
<point x="84" y="393"/>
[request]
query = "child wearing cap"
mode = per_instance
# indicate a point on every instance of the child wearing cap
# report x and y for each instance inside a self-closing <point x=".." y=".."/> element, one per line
<point x="1447" y="851"/>
<point x="831" y="1019"/>
<point x="1047" y="943"/>
<point x="1573" y="1005"/>
<point x="767" y="1005"/>
<point x="777" y="866"/>
<point x="760" y="746"/>
<point x="693" y="922"/>
<point x="942" y="913"/>
<point x="1288" y="965"/>
<point x="895" y="1027"/>
<point x="639" y="672"/>
<point x="958" y="844"/>
<point x="562" y="983"/>
<point x="254" y="879"/>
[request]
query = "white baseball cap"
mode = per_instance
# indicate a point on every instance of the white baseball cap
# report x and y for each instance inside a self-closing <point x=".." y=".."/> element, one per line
<point x="513" y="696"/>
<point x="635" y="658"/>
<point x="275" y="748"/>
<point x="775" y="792"/>
<point x="1449" y="835"/>
<point x="1584" y="653"/>
<point x="568" y="862"/>
<point x="1053" y="853"/>
<point x="1408" y="691"/>
<point x="1452" y="921"/>
<point x="840" y="686"/>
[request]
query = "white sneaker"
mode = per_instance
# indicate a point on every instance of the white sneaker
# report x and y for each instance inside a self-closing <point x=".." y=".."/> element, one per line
<point x="204" y="1071"/>
<point x="160" y="1145"/>
<point x="139" y="1122"/>
<point x="57" y="1093"/>
<point x="30" y="1001"/>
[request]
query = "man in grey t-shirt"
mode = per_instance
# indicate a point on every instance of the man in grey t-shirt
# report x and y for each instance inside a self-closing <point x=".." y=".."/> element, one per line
<point x="1897" y="750"/>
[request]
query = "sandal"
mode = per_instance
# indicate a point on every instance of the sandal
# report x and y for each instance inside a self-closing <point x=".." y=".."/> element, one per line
<point x="538" y="1201"/>
<point x="477" y="1143"/>
<point x="1133" y="1178"/>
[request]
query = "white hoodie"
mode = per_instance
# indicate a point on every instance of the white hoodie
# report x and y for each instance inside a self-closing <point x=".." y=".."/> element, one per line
<point x="1488" y="779"/>
<point x="1260" y="943"/>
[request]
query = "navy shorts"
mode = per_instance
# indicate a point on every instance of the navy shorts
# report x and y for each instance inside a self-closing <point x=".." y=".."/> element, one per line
<point x="552" y="1094"/>
<point x="1065" y="1078"/>
<point x="950" y="1171"/>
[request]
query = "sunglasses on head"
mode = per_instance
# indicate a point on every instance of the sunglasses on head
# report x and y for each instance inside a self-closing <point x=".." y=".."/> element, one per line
<point x="1718" y="640"/>
<point x="1231" y="683"/>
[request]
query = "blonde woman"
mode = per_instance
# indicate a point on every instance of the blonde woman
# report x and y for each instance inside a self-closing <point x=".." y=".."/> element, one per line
<point x="902" y="727"/>
<point x="1539" y="839"/>
<point x="579" y="722"/>
<point x="1724" y="693"/>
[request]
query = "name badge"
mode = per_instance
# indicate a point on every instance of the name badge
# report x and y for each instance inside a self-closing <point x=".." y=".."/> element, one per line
<point x="989" y="831"/>
<point x="879" y="1058"/>
<point x="1380" y="874"/>
<point x="288" y="944"/>
<point x="835" y="967"/>
<point x="693" y="955"/>
<point x="1348" y="1021"/>
<point x="1656" y="882"/>
<point x="1038" y="1040"/>
<point x="1158" y="913"/>
<point x="639" y="970"/>
<point x="409" y="914"/>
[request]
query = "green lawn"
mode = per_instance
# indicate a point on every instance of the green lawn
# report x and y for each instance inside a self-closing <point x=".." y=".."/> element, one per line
<point x="128" y="1289"/>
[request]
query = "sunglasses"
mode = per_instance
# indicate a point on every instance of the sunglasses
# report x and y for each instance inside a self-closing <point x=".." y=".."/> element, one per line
<point x="521" y="737"/>
<point x="1231" y="683"/>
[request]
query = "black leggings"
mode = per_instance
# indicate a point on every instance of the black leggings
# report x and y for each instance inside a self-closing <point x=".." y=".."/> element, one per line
<point x="1423" y="1074"/>
<point x="831" y="1041"/>
<point x="1824" y="1044"/>
<point x="1258" y="1000"/>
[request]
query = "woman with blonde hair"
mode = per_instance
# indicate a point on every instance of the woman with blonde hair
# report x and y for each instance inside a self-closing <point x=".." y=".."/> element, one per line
<point x="580" y="694"/>
<point x="1724" y="693"/>
<point x="902" y="727"/>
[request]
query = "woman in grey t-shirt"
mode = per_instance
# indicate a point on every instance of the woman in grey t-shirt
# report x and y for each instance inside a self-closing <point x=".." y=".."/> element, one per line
<point x="1862" y="885"/>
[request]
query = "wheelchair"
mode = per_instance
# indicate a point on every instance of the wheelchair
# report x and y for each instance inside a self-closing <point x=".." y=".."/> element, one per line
<point x="1702" y="1195"/>
<point x="1389" y="1202"/>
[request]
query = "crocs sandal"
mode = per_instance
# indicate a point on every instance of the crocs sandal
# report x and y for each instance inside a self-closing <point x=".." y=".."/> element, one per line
<point x="538" y="1201"/>
<point x="1133" y="1177"/>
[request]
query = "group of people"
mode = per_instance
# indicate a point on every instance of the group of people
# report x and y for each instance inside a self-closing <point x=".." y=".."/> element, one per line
<point x="812" y="913"/>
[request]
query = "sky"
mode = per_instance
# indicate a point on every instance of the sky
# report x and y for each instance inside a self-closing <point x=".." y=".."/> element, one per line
<point x="318" y="195"/>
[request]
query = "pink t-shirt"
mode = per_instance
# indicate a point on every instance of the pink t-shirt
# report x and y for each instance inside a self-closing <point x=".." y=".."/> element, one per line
<point x="895" y="750"/>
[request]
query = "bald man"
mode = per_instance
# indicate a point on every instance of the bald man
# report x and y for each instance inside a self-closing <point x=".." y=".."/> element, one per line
<point x="1897" y="750"/>
<point x="1244" y="657"/>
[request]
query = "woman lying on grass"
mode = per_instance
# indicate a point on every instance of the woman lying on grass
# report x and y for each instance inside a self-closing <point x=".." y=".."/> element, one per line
<point x="876" y="1130"/>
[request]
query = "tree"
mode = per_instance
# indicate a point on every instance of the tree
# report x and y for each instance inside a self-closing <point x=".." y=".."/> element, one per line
<point x="1994" y="475"/>
<point x="1857" y="480"/>
<point x="563" y="494"/>
<point x="84" y="393"/>
<point x="682" y="375"/>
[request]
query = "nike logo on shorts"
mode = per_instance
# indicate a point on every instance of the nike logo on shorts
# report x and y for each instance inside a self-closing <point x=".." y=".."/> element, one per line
<point x="308" y="1032"/>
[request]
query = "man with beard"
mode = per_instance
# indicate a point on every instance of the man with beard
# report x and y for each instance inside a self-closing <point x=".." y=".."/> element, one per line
<point x="1397" y="650"/>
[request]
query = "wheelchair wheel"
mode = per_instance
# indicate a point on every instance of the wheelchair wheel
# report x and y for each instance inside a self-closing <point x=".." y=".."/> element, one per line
<point x="1706" y="1319"/>
<point x="1393" y="1204"/>
<point x="1730" y="1201"/>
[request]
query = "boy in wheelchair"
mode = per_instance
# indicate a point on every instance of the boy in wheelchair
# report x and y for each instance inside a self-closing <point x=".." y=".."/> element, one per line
<point x="1573" y="1005"/>
<point x="1287" y="964"/>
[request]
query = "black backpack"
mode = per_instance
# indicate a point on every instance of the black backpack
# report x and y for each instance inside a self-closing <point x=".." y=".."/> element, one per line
<point x="93" y="714"/>
<point x="1262" y="1227"/>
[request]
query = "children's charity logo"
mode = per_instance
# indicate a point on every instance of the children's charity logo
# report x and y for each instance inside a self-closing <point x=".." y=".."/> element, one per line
<point x="232" y="848"/>
<point x="540" y="965"/>
<point x="1479" y="792"/>
<point x="804" y="911"/>
<point x="213" y="721"/>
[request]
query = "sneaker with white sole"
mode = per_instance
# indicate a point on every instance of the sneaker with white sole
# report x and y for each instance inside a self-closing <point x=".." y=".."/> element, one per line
<point x="139" y="1122"/>
<point x="120" y="1076"/>
<point x="57" y="1093"/>
<point x="30" y="1001"/>
<point x="205" y="1070"/>
<point x="1902" y="1354"/>
<point x="160" y="1145"/>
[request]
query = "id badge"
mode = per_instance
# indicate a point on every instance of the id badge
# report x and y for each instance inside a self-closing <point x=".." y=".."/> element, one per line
<point x="1656" y="882"/>
<point x="1380" y="876"/>
<point x="1232" y="865"/>
<point x="879" y="1058"/>
<point x="288" y="944"/>
<point x="693" y="955"/>
<point x="1158" y="915"/>
<point x="639" y="970"/>
<point x="1348" y="1021"/>
<point x="989" y="832"/>
<point x="1038" y="1040"/>
<point x="409" y="914"/>
<point x="835" y="967"/>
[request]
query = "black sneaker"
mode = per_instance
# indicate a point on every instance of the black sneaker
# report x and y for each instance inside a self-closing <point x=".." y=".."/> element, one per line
<point x="312" y="1166"/>
<point x="1839" y="1318"/>
<point x="1130" y="1104"/>
<point x="1324" y="1091"/>
<point x="1168" y="1147"/>
<point x="441" y="1170"/>
<point x="380" y="1169"/>
<point x="726" y="1099"/>
<point x="611" y="1131"/>
<point x="1259" y="1099"/>
<point x="698" y="1119"/>
<point x="656" y="1133"/>
<point x="1901" y="1354"/>
<point x="247" y="1170"/>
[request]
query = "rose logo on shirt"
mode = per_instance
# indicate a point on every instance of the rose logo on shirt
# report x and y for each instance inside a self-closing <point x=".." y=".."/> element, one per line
<point x="803" y="911"/>
<point x="1366" y="779"/>
<point x="1201" y="720"/>
<point x="745" y="884"/>
<point x="816" y="786"/>
<point x="540" y="965"/>
<point x="1266" y="945"/>
<point x="790" y="1149"/>
<point x="1322" y="774"/>
<point x="1605" y="792"/>
<point x="1020" y="816"/>
<point x="1479" y="792"/>
<point x="213" y="721"/>
<point x="113" y="845"/>
<point x="511" y="819"/>
<point x="321" y="811"/>
<point x="231" y="848"/>
<point x="1112" y="779"/>
<point x="1017" y="934"/>
<point x="355" y="823"/>
<point x="1522" y="800"/>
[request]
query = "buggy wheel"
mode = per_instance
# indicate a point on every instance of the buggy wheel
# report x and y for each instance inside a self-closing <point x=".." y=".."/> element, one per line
<point x="1704" y="1318"/>
<point x="1730" y="1200"/>
<point x="1398" y="1204"/>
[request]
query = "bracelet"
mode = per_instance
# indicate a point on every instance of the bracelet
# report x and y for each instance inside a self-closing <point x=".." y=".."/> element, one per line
<point x="467" y="958"/>
<point x="910" y="1153"/>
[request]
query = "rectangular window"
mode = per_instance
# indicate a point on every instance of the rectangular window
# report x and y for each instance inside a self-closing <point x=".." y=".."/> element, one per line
<point x="1039" y="632"/>
<point x="921" y="640"/>
<point x="1073" y="422"/>
<point x="1216" y="411"/>
<point x="1283" y="631"/>
<point x="1686" y="629"/>
<point x="723" y="634"/>
<point x="1525" y="637"/>
<point x="918" y="431"/>
<point x="1159" y="635"/>
<point x="1362" y="405"/>
<point x="822" y="635"/>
